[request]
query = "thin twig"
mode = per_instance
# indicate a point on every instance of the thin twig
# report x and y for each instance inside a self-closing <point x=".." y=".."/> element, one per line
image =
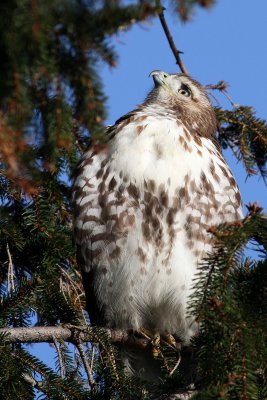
<point x="230" y="99"/>
<point x="92" y="358"/>
<point x="61" y="365"/>
<point x="214" y="98"/>
<point x="10" y="274"/>
<point x="176" y="365"/>
<point x="87" y="368"/>
<point x="75" y="287"/>
<point x="167" y="32"/>
<point x="222" y="86"/>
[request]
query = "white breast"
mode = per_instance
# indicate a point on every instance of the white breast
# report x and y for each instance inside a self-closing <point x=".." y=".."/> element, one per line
<point x="148" y="284"/>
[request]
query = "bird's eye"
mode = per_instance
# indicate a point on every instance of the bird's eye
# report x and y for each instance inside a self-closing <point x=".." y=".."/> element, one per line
<point x="185" y="92"/>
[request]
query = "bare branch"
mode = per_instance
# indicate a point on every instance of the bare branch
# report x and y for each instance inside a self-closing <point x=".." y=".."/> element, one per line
<point x="33" y="382"/>
<point x="87" y="368"/>
<point x="10" y="282"/>
<point x="70" y="334"/>
<point x="167" y="32"/>
<point x="92" y="357"/>
<point x="61" y="364"/>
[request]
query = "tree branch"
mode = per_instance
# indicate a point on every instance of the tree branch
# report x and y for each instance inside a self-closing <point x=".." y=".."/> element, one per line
<point x="69" y="333"/>
<point x="87" y="368"/>
<point x="61" y="364"/>
<point x="167" y="32"/>
<point x="33" y="382"/>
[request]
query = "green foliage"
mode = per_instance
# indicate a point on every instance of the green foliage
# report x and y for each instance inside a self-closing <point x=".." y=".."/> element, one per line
<point x="52" y="90"/>
<point x="246" y="135"/>
<point x="11" y="384"/>
<point x="230" y="303"/>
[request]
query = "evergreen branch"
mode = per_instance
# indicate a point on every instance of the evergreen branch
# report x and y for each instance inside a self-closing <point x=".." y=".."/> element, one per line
<point x="70" y="333"/>
<point x="246" y="135"/>
<point x="51" y="381"/>
<point x="229" y="301"/>
<point x="19" y="299"/>
<point x="169" y="37"/>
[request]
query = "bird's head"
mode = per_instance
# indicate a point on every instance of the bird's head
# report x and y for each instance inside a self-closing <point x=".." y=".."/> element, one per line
<point x="178" y="88"/>
<point x="182" y="96"/>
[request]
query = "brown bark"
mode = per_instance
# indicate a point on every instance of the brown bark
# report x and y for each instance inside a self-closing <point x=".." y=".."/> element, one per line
<point x="168" y="35"/>
<point x="69" y="333"/>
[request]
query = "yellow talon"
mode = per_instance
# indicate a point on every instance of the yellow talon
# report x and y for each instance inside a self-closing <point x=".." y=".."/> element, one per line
<point x="155" y="342"/>
<point x="154" y="338"/>
<point x="169" y="339"/>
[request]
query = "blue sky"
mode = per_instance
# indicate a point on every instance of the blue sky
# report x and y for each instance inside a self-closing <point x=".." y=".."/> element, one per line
<point x="227" y="42"/>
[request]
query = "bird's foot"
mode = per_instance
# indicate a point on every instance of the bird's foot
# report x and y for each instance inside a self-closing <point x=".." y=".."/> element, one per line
<point x="170" y="340"/>
<point x="158" y="339"/>
<point x="146" y="333"/>
<point x="154" y="339"/>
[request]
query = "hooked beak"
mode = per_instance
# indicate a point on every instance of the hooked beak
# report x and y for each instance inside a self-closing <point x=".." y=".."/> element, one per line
<point x="158" y="77"/>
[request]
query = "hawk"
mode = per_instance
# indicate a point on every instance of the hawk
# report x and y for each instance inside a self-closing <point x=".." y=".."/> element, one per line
<point x="143" y="204"/>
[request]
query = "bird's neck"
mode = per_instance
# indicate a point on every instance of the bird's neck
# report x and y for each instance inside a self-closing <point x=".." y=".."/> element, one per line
<point x="158" y="110"/>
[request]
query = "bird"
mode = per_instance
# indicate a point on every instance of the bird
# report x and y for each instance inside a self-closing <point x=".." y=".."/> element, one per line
<point x="143" y="204"/>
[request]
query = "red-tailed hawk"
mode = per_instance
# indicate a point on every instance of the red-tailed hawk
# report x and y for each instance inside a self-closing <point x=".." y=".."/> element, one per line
<point x="142" y="207"/>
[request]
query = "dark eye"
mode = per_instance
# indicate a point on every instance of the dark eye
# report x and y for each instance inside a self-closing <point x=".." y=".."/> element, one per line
<point x="185" y="92"/>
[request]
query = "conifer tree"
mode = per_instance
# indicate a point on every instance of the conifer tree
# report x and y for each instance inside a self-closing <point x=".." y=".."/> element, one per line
<point x="52" y="106"/>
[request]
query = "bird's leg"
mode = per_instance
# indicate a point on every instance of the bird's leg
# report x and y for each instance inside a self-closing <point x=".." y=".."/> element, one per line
<point x="146" y="333"/>
<point x="156" y="339"/>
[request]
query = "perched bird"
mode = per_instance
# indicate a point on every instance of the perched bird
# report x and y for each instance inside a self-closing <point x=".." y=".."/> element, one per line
<point x="143" y="204"/>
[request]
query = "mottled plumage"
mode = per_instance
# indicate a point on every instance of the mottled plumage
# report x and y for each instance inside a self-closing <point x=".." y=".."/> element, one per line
<point x="143" y="204"/>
